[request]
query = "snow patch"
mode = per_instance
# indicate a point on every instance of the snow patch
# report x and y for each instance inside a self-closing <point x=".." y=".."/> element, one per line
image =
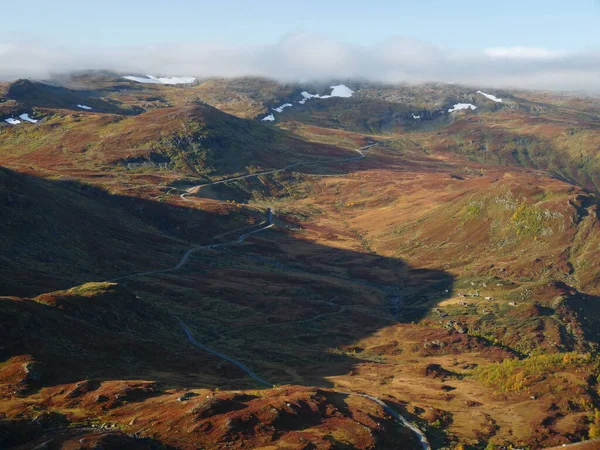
<point x="341" y="90"/>
<point x="26" y="117"/>
<point x="12" y="121"/>
<point x="282" y="107"/>
<point x="164" y="80"/>
<point x="84" y="107"/>
<point x="460" y="106"/>
<point x="416" y="117"/>
<point x="307" y="96"/>
<point x="491" y="97"/>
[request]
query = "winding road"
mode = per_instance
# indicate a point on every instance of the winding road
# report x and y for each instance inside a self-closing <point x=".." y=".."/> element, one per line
<point x="399" y="418"/>
<point x="264" y="226"/>
<point x="196" y="189"/>
<point x="185" y="258"/>
<point x="242" y="366"/>
<point x="242" y="237"/>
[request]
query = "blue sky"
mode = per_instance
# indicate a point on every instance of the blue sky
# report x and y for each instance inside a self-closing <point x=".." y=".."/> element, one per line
<point x="457" y="24"/>
<point x="546" y="44"/>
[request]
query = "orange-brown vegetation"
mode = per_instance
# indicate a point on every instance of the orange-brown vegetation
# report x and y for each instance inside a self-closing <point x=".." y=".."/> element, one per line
<point x="452" y="272"/>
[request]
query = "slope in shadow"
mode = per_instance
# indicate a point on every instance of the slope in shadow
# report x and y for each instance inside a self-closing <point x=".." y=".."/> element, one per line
<point x="284" y="310"/>
<point x="287" y="306"/>
<point x="31" y="94"/>
<point x="58" y="234"/>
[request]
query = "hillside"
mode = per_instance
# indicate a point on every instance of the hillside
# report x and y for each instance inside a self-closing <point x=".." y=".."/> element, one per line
<point x="60" y="233"/>
<point x="343" y="276"/>
<point x="99" y="332"/>
<point x="162" y="145"/>
<point x="31" y="94"/>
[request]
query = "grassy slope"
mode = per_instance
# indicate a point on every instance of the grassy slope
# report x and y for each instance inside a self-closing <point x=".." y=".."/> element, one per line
<point x="26" y="95"/>
<point x="565" y="146"/>
<point x="56" y="234"/>
<point x="168" y="143"/>
<point x="359" y="251"/>
<point x="553" y="132"/>
<point x="514" y="236"/>
<point x="97" y="330"/>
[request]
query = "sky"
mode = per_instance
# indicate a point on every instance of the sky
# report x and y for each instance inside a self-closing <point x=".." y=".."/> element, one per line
<point x="506" y="43"/>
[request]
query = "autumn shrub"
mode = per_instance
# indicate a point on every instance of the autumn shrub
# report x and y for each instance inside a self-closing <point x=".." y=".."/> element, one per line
<point x="513" y="374"/>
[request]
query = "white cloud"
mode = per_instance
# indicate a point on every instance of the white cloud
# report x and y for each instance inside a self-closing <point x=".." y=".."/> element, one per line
<point x="523" y="53"/>
<point x="310" y="57"/>
<point x="149" y="79"/>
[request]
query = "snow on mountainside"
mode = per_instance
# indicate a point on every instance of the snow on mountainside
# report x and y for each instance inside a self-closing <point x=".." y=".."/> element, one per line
<point x="165" y="80"/>
<point x="459" y="106"/>
<point x="306" y="96"/>
<point x="339" y="90"/>
<point x="491" y="97"/>
<point x="282" y="107"/>
<point x="26" y="117"/>
<point x="23" y="117"/>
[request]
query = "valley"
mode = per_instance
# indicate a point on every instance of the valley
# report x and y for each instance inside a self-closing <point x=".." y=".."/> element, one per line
<point x="178" y="273"/>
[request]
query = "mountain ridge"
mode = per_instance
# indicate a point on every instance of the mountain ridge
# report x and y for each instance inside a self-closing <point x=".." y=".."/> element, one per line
<point x="448" y="271"/>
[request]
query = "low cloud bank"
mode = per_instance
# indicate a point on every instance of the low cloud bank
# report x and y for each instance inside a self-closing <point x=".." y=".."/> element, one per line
<point x="308" y="57"/>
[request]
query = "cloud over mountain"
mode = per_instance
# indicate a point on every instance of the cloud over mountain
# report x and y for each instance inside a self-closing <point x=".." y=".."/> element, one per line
<point x="304" y="56"/>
